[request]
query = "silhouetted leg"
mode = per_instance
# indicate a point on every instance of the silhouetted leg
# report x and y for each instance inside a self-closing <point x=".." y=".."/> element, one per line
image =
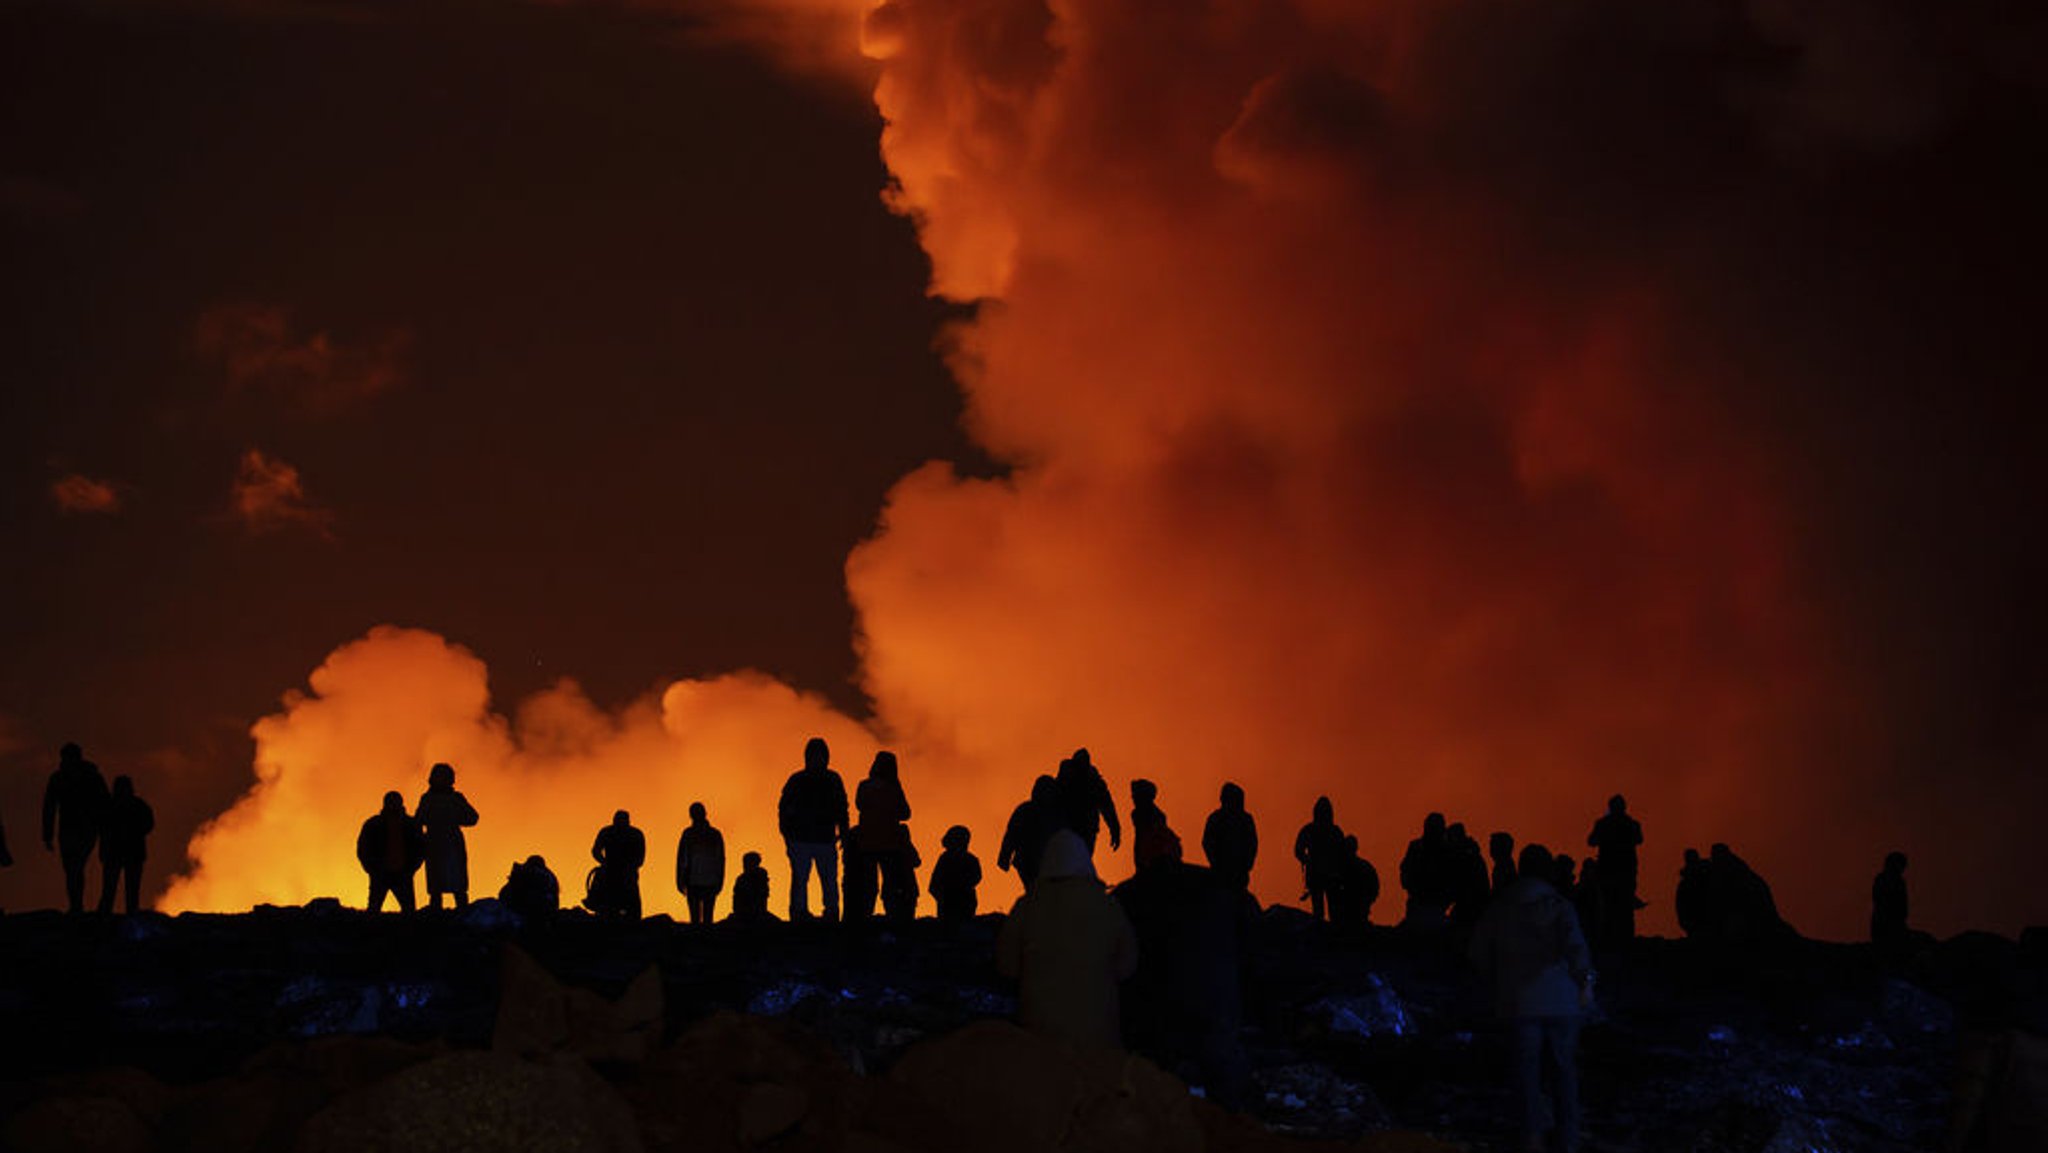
<point x="74" y="880"/>
<point x="899" y="887"/>
<point x="462" y="898"/>
<point x="109" y="873"/>
<point x="1529" y="1079"/>
<point x="800" y="882"/>
<point x="401" y="888"/>
<point x="1561" y="1043"/>
<point x="378" y="888"/>
<point x="1315" y="903"/>
<point x="828" y="881"/>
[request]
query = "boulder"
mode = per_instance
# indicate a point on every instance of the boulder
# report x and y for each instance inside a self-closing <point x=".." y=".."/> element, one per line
<point x="85" y="1124"/>
<point x="478" y="1102"/>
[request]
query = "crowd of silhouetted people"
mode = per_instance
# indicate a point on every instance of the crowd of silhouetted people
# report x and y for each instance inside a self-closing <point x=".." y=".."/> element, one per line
<point x="1155" y="961"/>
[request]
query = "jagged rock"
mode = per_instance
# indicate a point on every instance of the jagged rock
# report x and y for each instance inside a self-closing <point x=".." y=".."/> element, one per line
<point x="538" y="1014"/>
<point x="77" y="1125"/>
<point x="1000" y="1089"/>
<point x="478" y="1103"/>
<point x="144" y="1095"/>
<point x="769" y="1110"/>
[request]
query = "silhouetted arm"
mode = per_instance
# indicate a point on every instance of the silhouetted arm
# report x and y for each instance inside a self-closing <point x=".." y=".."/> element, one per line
<point x="466" y="815"/>
<point x="1108" y="807"/>
<point x="683" y="862"/>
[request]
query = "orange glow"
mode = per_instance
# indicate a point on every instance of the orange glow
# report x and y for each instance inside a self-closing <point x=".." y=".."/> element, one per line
<point x="1334" y="471"/>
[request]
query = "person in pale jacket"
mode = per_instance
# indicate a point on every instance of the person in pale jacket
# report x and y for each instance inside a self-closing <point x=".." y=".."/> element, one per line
<point x="1069" y="945"/>
<point x="1529" y="942"/>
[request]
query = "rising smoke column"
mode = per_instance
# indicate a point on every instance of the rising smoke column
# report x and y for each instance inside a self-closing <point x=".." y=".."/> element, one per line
<point x="1391" y="390"/>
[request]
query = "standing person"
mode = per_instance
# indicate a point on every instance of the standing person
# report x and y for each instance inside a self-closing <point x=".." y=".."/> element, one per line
<point x="74" y="805"/>
<point x="1888" y="902"/>
<point x="700" y="865"/>
<point x="1151" y="840"/>
<point x="1230" y="838"/>
<point x="1501" y="847"/>
<point x="1427" y="875"/>
<point x="1470" y="883"/>
<point x="879" y="843"/>
<point x="812" y="816"/>
<point x="619" y="850"/>
<point x="1068" y="944"/>
<point x="1030" y="824"/>
<point x="1319" y="846"/>
<point x="124" y="843"/>
<point x="390" y="848"/>
<point x="443" y="813"/>
<point x="1614" y="839"/>
<point x="1085" y="801"/>
<point x="955" y="877"/>
<point x="1529" y="943"/>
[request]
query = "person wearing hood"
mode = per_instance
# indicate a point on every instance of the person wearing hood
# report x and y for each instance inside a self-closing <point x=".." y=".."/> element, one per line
<point x="1319" y="846"/>
<point x="879" y="857"/>
<point x="390" y="848"/>
<point x="1030" y="824"/>
<point x="1529" y="943"/>
<point x="1068" y="944"/>
<point x="1230" y="838"/>
<point x="443" y="813"/>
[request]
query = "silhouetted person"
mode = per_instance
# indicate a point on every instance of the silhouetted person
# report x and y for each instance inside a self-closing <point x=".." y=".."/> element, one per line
<point x="74" y="805"/>
<point x="443" y="813"/>
<point x="812" y="815"/>
<point x="1184" y="1006"/>
<point x="955" y="877"/>
<point x="1501" y="847"/>
<point x="1614" y="840"/>
<point x="1530" y="945"/>
<point x="391" y="848"/>
<point x="1592" y="900"/>
<point x="1428" y="875"/>
<point x="700" y="865"/>
<point x="619" y="850"/>
<point x="124" y="844"/>
<point x="1068" y="944"/>
<point x="1741" y="908"/>
<point x="750" y="891"/>
<point x="880" y="858"/>
<point x="1358" y="886"/>
<point x="1692" y="900"/>
<point x="1470" y="883"/>
<point x="1031" y="823"/>
<point x="1319" y="846"/>
<point x="1230" y="838"/>
<point x="1151" y="840"/>
<point x="1564" y="875"/>
<point x="1888" y="902"/>
<point x="531" y="889"/>
<point x="1085" y="801"/>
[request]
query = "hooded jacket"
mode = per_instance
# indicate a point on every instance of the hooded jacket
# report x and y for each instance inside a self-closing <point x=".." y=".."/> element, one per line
<point x="1068" y="944"/>
<point x="1528" y="940"/>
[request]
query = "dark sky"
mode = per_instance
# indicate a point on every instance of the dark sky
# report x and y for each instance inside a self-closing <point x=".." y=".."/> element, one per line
<point x="622" y="351"/>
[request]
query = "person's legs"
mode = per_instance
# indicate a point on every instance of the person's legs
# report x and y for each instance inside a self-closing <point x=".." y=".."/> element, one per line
<point x="401" y="888"/>
<point x="109" y="873"/>
<point x="1561" y="1044"/>
<point x="828" y="880"/>
<point x="75" y="861"/>
<point x="800" y="882"/>
<point x="378" y="887"/>
<point x="131" y="895"/>
<point x="1528" y="1037"/>
<point x="462" y="898"/>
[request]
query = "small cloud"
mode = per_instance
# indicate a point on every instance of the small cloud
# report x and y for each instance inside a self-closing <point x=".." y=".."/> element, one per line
<point x="79" y="493"/>
<point x="269" y="495"/>
<point x="261" y="349"/>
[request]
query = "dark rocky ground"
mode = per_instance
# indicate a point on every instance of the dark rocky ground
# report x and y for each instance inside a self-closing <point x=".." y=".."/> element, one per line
<point x="324" y="1028"/>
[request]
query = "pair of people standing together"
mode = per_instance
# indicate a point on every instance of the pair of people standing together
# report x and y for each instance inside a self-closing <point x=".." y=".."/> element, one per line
<point x="394" y="844"/>
<point x="881" y="861"/>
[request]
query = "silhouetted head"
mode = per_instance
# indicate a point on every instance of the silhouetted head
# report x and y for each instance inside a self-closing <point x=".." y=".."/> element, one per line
<point x="1232" y="796"/>
<point x="622" y="818"/>
<point x="1080" y="758"/>
<point x="123" y="787"/>
<point x="1895" y="862"/>
<point x="750" y="860"/>
<point x="1351" y="843"/>
<point x="1535" y="861"/>
<point x="1562" y="868"/>
<point x="536" y="862"/>
<point x="697" y="814"/>
<point x="1692" y="857"/>
<point x="1324" y="813"/>
<point x="1066" y="855"/>
<point x="441" y="776"/>
<point x="1433" y="825"/>
<point x="1720" y="851"/>
<point x="393" y="803"/>
<point x="956" y="838"/>
<point x="70" y="754"/>
<point x="1045" y="790"/>
<point x="1617" y="804"/>
<point x="884" y="766"/>
<point x="816" y="754"/>
<point x="1143" y="792"/>
<point x="1455" y="833"/>
<point x="1501" y="845"/>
